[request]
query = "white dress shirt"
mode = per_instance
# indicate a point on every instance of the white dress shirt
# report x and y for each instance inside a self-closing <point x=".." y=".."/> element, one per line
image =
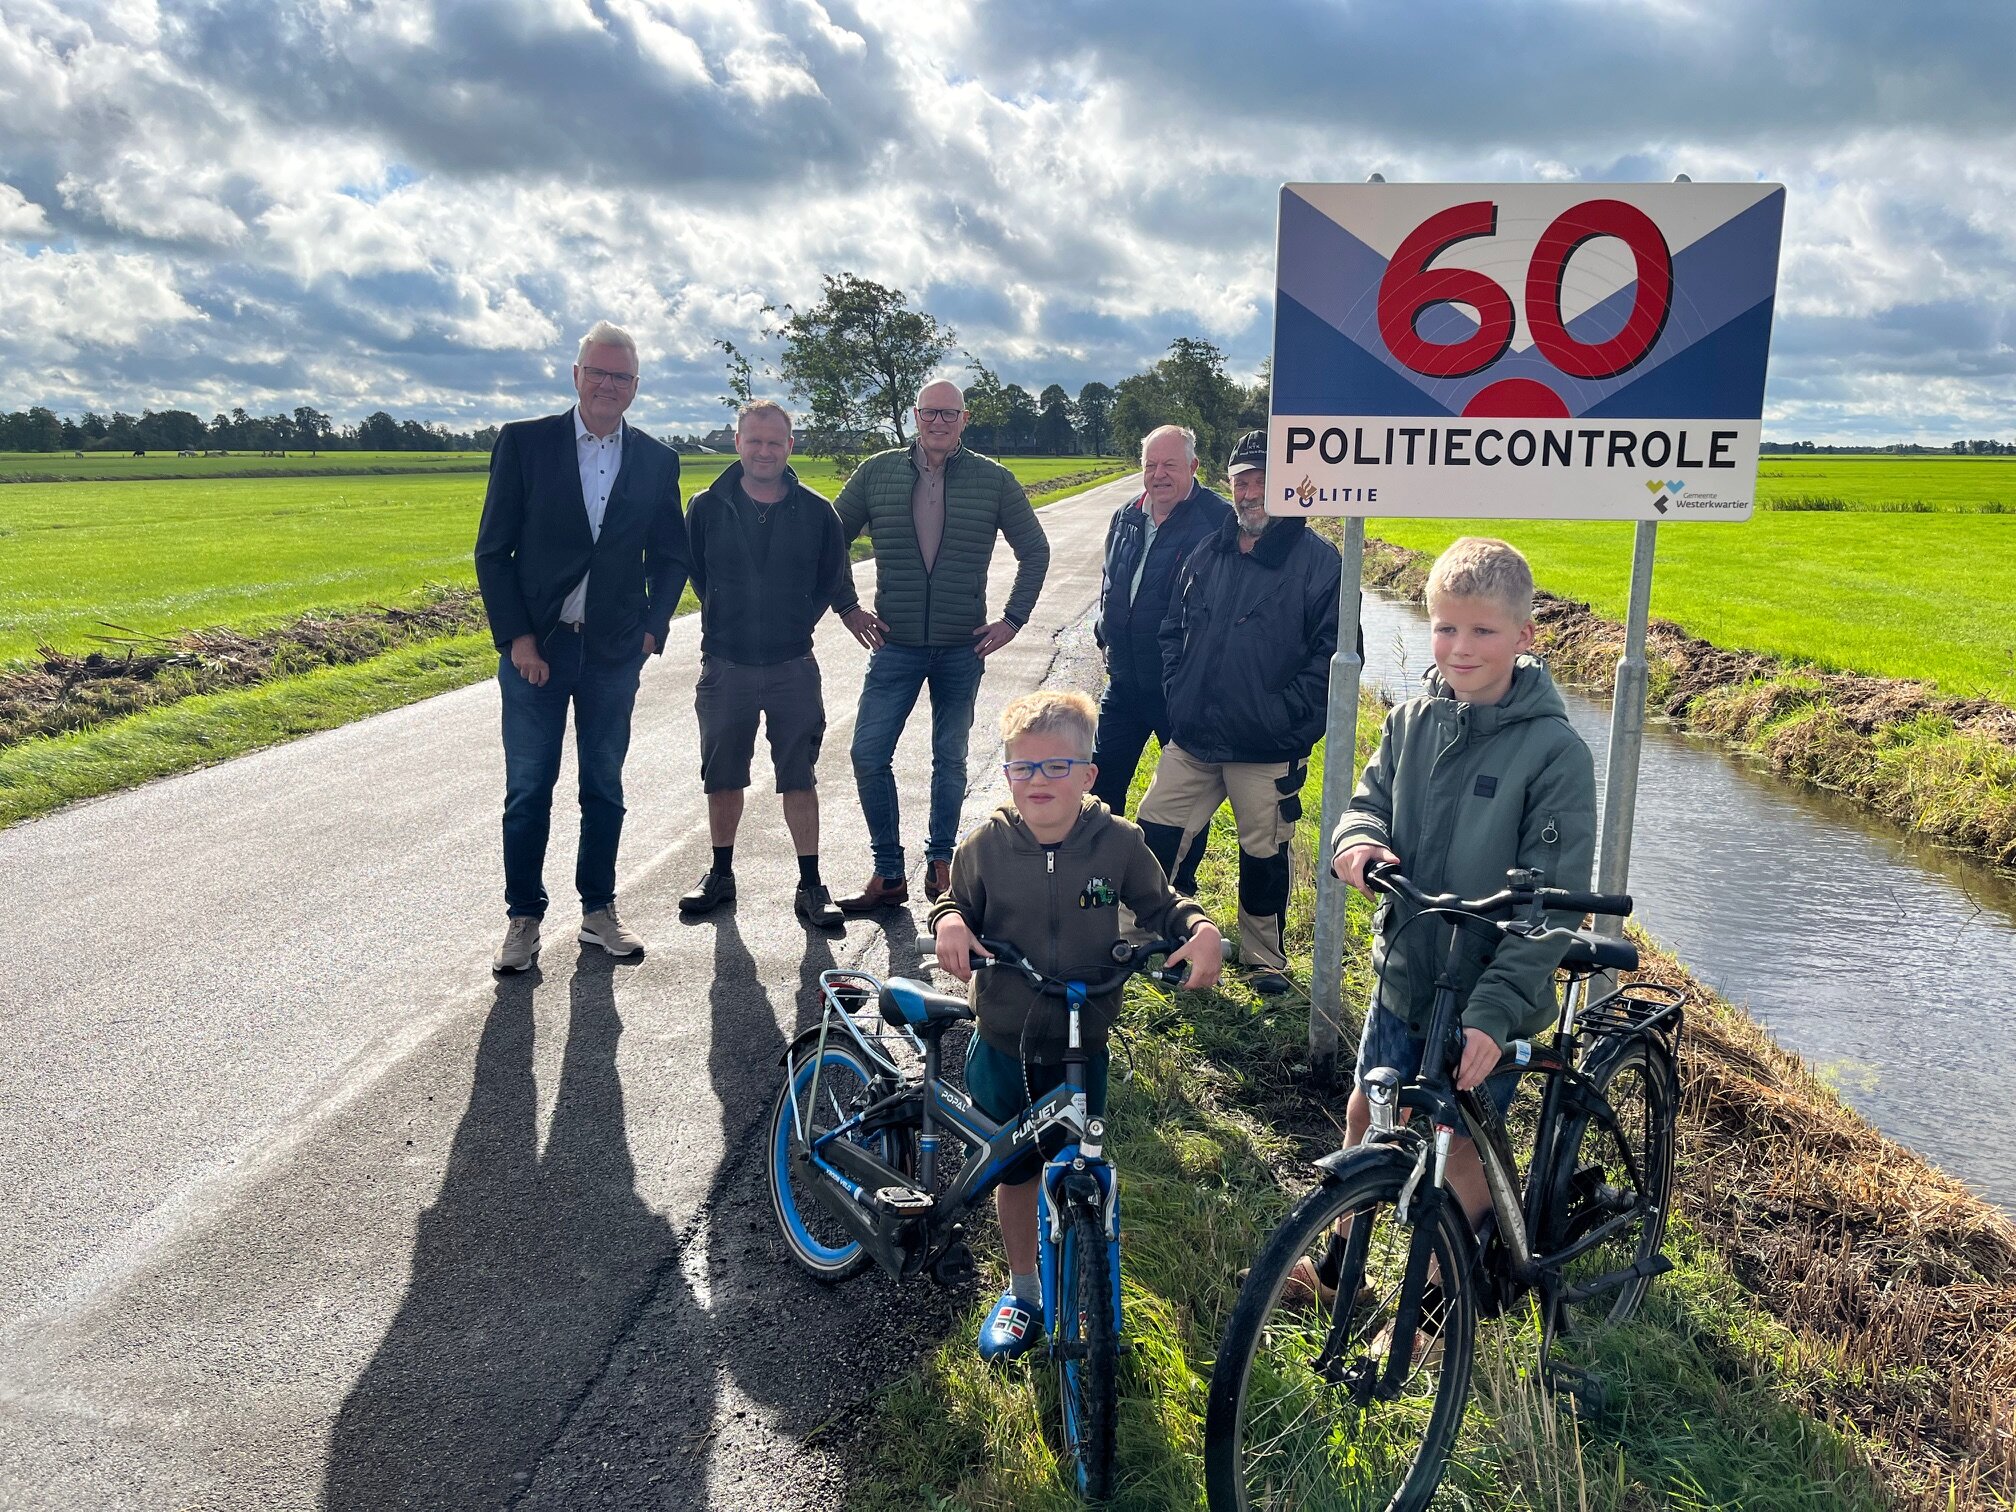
<point x="601" y="458"/>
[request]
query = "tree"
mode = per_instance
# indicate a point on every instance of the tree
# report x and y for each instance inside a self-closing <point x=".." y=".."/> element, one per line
<point x="311" y="427"/>
<point x="741" y="378"/>
<point x="1019" y="425"/>
<point x="1095" y="410"/>
<point x="1053" y="425"/>
<point x="378" y="431"/>
<point x="859" y="356"/>
<point x="1186" y="387"/>
<point x="986" y="407"/>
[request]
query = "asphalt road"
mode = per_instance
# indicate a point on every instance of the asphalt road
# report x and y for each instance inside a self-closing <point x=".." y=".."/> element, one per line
<point x="304" y="1208"/>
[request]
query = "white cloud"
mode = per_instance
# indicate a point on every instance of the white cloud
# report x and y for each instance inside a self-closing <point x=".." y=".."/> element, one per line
<point x="419" y="206"/>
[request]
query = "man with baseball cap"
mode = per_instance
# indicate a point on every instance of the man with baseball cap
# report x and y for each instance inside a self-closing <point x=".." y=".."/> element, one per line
<point x="1246" y="656"/>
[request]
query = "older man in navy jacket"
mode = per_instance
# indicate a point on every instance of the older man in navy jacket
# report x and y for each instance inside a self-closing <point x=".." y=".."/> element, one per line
<point x="581" y="556"/>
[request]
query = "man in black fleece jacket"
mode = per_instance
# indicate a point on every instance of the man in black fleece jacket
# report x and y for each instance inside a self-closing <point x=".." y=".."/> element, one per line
<point x="769" y="557"/>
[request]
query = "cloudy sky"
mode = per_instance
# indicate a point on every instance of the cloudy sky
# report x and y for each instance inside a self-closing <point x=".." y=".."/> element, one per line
<point x="419" y="204"/>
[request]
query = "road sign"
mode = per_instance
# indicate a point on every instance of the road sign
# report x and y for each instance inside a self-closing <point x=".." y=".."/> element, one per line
<point x="1571" y="351"/>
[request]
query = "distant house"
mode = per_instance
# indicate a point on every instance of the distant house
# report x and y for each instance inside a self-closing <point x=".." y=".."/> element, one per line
<point x="721" y="440"/>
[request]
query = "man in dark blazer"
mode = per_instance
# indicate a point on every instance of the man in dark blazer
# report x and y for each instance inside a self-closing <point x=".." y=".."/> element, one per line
<point x="581" y="556"/>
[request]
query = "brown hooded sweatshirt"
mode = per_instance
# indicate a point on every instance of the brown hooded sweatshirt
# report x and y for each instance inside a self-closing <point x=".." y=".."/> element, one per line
<point x="1060" y="908"/>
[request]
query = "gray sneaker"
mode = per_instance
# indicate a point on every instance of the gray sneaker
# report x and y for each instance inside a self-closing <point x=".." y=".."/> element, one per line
<point x="603" y="928"/>
<point x="521" y="945"/>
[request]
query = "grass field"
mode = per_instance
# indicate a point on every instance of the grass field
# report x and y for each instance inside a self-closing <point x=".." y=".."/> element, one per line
<point x="158" y="557"/>
<point x="120" y="467"/>
<point x="1898" y="484"/>
<point x="1927" y="596"/>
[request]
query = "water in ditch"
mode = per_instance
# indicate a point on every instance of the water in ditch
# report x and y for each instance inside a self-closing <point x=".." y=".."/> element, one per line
<point x="1884" y="961"/>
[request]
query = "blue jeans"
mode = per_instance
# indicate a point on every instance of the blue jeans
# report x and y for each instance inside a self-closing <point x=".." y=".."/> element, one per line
<point x="535" y="725"/>
<point x="895" y="675"/>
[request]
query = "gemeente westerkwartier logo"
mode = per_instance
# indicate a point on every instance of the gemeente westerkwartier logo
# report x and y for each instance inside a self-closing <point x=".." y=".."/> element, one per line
<point x="1658" y="486"/>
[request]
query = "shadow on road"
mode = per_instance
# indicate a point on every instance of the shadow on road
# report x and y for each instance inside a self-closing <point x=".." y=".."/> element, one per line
<point x="527" y="1269"/>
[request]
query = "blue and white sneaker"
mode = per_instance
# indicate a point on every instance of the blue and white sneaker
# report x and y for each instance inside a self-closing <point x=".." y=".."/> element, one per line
<point x="1010" y="1329"/>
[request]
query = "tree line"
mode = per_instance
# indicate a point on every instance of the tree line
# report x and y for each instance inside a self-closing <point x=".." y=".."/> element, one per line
<point x="306" y="429"/>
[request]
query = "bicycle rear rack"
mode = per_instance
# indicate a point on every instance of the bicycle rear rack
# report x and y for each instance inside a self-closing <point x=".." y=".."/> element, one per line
<point x="1635" y="1008"/>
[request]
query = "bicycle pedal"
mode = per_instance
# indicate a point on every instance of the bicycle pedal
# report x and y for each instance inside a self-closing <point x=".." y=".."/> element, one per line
<point x="903" y="1199"/>
<point x="955" y="1267"/>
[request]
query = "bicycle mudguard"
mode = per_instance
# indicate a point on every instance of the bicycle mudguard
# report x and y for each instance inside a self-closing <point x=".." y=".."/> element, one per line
<point x="1341" y="1163"/>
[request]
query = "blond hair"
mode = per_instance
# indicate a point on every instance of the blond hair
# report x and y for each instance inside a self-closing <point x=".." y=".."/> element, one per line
<point x="1048" y="712"/>
<point x="1483" y="567"/>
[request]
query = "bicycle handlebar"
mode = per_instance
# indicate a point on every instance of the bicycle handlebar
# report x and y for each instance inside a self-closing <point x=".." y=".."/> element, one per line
<point x="1386" y="876"/>
<point x="1129" y="961"/>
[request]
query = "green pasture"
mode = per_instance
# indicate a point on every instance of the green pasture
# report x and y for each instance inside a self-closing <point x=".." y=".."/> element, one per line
<point x="158" y="557"/>
<point x="122" y="467"/>
<point x="1894" y="484"/>
<point x="1928" y="596"/>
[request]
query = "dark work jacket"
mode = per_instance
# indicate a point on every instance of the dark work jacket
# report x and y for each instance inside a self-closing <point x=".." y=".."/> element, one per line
<point x="1246" y="647"/>
<point x="533" y="543"/>
<point x="1130" y="632"/>
<point x="757" y="609"/>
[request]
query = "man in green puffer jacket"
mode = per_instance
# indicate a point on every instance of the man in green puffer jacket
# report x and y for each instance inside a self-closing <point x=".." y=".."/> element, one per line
<point x="1480" y="774"/>
<point x="933" y="510"/>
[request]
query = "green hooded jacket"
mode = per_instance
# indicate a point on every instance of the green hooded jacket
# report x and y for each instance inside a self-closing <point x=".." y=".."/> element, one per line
<point x="943" y="607"/>
<point x="1461" y="793"/>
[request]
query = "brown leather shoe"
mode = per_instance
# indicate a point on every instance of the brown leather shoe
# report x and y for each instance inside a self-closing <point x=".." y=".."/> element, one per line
<point x="937" y="879"/>
<point x="881" y="892"/>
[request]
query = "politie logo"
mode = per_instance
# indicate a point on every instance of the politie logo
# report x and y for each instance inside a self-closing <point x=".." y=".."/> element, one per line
<point x="1510" y="350"/>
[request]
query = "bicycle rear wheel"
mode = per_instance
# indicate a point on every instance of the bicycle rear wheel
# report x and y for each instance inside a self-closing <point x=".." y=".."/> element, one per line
<point x="1086" y="1348"/>
<point x="817" y="1240"/>
<point x="1622" y="1175"/>
<point x="1299" y="1418"/>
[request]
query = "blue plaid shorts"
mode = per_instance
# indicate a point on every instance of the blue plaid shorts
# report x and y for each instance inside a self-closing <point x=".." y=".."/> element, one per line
<point x="1387" y="1041"/>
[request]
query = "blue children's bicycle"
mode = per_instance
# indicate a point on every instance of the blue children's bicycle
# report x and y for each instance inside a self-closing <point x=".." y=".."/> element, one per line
<point x="853" y="1162"/>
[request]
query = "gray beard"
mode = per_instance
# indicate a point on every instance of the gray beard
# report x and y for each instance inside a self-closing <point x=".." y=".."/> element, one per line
<point x="1261" y="529"/>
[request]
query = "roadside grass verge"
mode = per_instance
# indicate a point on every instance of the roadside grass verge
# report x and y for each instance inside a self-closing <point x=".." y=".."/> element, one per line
<point x="1722" y="1395"/>
<point x="1937" y="765"/>
<point x="39" y="775"/>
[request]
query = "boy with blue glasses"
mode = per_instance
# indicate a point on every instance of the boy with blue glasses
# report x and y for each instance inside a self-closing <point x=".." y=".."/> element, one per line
<point x="1049" y="872"/>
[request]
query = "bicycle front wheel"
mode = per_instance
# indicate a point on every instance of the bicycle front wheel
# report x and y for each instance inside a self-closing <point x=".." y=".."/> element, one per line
<point x="1087" y="1350"/>
<point x="1301" y="1417"/>
<point x="1620" y="1176"/>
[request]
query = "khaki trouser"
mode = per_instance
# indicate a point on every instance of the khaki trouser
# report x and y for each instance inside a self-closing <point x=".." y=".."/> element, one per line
<point x="1266" y="801"/>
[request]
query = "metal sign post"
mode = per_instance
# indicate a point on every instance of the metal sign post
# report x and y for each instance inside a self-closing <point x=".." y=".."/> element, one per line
<point x="1340" y="769"/>
<point x="1627" y="731"/>
<point x="1513" y="351"/>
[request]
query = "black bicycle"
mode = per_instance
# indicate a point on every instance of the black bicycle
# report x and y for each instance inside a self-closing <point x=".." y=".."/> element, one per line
<point x="1343" y="1372"/>
<point x="853" y="1162"/>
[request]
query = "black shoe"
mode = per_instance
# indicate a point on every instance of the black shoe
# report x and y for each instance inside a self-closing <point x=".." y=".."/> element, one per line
<point x="1269" y="983"/>
<point x="816" y="907"/>
<point x="714" y="889"/>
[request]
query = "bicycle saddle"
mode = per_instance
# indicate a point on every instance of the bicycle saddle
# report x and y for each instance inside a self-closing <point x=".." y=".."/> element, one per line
<point x="1594" y="952"/>
<point x="910" y="1004"/>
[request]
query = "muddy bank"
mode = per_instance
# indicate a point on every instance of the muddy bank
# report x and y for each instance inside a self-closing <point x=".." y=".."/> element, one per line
<point x="1939" y="766"/>
<point x="1897" y="1284"/>
<point x="59" y="691"/>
